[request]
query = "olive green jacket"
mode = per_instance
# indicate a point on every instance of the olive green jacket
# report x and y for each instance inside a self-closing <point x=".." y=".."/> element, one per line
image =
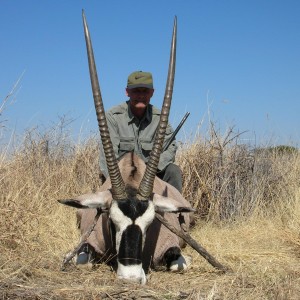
<point x="128" y="133"/>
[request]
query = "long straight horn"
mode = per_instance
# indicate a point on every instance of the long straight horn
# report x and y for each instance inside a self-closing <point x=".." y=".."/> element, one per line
<point x="146" y="185"/>
<point x="118" y="186"/>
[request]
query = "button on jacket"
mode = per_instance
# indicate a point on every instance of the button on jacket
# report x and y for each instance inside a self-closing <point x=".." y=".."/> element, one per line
<point x="128" y="133"/>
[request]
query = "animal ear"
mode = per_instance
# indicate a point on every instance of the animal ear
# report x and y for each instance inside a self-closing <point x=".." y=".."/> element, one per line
<point x="165" y="204"/>
<point x="93" y="200"/>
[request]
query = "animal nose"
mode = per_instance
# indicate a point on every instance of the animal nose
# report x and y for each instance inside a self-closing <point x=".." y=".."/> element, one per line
<point x="133" y="273"/>
<point x="140" y="280"/>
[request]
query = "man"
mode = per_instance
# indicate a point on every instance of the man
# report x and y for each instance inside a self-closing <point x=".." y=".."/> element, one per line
<point x="132" y="126"/>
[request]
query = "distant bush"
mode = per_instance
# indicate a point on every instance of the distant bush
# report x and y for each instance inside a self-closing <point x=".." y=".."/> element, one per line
<point x="283" y="149"/>
<point x="225" y="180"/>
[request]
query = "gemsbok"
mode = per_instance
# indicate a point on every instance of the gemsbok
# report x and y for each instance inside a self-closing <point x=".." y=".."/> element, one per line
<point x="131" y="196"/>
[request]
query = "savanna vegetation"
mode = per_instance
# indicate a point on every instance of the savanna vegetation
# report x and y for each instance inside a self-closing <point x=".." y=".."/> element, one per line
<point x="247" y="216"/>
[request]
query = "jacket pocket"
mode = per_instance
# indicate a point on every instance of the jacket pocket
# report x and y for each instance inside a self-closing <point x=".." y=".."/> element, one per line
<point x="126" y="145"/>
<point x="146" y="149"/>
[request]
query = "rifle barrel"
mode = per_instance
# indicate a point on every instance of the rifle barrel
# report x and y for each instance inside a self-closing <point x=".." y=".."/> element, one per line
<point x="176" y="131"/>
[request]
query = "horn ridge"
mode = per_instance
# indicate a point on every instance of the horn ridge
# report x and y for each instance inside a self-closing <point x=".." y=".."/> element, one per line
<point x="146" y="185"/>
<point x="118" y="186"/>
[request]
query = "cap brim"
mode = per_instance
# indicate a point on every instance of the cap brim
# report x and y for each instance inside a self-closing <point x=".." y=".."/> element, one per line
<point x="133" y="86"/>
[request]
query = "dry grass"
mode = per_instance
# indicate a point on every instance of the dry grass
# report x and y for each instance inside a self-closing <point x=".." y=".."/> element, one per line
<point x="248" y="218"/>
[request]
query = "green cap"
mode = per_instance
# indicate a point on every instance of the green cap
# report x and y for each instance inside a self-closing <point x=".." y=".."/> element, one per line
<point x="140" y="79"/>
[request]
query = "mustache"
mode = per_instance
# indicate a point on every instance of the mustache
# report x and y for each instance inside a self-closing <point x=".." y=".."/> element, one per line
<point x="139" y="100"/>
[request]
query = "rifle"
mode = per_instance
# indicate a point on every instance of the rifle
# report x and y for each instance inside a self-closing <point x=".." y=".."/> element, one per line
<point x="176" y="131"/>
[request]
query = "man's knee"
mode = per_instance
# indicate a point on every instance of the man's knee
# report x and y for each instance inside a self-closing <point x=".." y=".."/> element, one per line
<point x="173" y="170"/>
<point x="172" y="175"/>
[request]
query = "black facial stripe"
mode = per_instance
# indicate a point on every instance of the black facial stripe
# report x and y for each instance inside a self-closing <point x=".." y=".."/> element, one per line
<point x="130" y="251"/>
<point x="133" y="208"/>
<point x="113" y="234"/>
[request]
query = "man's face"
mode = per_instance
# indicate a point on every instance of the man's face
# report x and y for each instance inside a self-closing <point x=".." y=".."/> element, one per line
<point x="139" y="98"/>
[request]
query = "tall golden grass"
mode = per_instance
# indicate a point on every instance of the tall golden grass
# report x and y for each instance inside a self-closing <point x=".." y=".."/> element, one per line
<point x="248" y="217"/>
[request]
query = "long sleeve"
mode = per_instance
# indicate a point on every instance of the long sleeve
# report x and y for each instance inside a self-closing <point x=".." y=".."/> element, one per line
<point x="168" y="156"/>
<point x="115" y="139"/>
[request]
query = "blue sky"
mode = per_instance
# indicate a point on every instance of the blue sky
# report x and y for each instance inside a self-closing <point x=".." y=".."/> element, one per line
<point x="237" y="60"/>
